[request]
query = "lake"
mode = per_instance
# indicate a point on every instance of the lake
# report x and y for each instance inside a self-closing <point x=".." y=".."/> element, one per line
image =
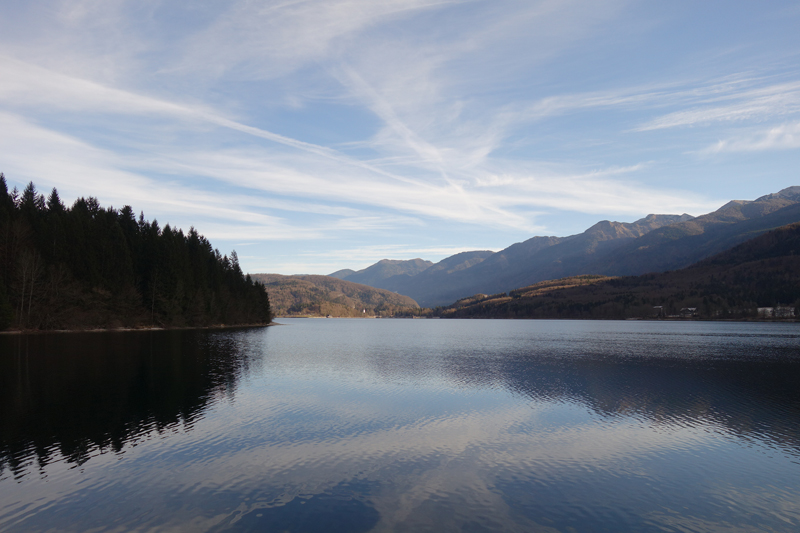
<point x="404" y="425"/>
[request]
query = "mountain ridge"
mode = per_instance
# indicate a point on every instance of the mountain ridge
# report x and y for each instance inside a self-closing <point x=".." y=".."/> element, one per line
<point x="512" y="267"/>
<point x="761" y="272"/>
<point x="383" y="269"/>
<point x="654" y="243"/>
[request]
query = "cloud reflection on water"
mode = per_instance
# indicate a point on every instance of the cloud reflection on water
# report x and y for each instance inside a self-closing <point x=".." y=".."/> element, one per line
<point x="499" y="431"/>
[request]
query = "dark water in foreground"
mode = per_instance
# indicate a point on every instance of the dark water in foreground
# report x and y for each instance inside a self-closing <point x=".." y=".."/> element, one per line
<point x="404" y="425"/>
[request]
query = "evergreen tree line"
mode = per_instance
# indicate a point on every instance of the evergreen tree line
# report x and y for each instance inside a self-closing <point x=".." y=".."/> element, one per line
<point x="87" y="266"/>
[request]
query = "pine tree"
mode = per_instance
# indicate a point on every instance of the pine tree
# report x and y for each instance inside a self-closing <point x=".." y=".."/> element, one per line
<point x="54" y="204"/>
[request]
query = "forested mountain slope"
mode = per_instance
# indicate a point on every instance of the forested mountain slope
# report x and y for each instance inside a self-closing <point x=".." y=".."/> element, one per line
<point x="682" y="244"/>
<point x="536" y="259"/>
<point x="762" y="272"/>
<point x="327" y="295"/>
<point x="87" y="266"/>
<point x="655" y="243"/>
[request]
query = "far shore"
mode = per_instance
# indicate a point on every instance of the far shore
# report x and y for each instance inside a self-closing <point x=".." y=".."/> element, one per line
<point x="642" y="319"/>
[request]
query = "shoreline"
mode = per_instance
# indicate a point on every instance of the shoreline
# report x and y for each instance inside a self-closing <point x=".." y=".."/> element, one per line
<point x="671" y="319"/>
<point x="153" y="328"/>
<point x="273" y="323"/>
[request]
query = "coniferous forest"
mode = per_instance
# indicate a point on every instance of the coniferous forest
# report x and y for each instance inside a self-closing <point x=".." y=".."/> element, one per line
<point x="86" y="266"/>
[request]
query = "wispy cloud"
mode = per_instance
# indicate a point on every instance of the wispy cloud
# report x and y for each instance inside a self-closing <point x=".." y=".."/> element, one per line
<point x="459" y="197"/>
<point x="761" y="103"/>
<point x="319" y="121"/>
<point x="783" y="137"/>
<point x="271" y="39"/>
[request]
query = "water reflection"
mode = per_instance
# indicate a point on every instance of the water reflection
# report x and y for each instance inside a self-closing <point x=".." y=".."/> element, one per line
<point x="757" y="398"/>
<point x="70" y="394"/>
<point x="405" y="426"/>
<point x="334" y="511"/>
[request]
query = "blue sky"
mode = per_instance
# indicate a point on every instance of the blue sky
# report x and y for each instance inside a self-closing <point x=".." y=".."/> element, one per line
<point x="317" y="135"/>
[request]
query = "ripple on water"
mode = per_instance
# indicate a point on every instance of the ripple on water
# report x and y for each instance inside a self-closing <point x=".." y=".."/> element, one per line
<point x="405" y="426"/>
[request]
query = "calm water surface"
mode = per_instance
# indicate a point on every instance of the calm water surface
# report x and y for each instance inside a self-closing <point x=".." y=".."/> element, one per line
<point x="404" y="425"/>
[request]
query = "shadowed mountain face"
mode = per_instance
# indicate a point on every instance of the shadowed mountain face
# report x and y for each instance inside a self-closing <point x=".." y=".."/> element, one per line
<point x="761" y="272"/>
<point x="522" y="263"/>
<point x="544" y="258"/>
<point x="680" y="245"/>
<point x="536" y="259"/>
<point x="434" y="278"/>
<point x="383" y="269"/>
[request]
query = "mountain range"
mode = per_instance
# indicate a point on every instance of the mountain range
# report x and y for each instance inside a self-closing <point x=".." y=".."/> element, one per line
<point x="763" y="272"/>
<point x="656" y="243"/>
